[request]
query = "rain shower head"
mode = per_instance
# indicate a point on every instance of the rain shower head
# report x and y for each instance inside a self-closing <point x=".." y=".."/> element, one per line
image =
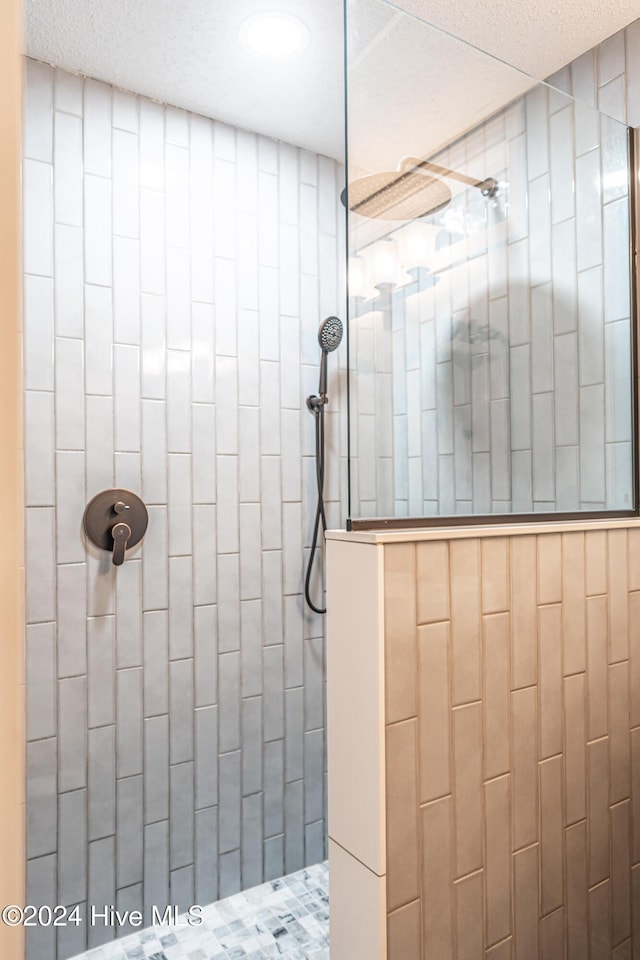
<point x="330" y="334"/>
<point x="410" y="192"/>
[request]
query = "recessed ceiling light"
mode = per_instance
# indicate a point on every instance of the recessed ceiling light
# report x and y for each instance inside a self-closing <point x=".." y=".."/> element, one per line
<point x="274" y="34"/>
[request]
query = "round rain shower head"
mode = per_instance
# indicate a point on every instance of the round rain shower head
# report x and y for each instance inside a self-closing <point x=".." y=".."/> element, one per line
<point x="397" y="196"/>
<point x="330" y="334"/>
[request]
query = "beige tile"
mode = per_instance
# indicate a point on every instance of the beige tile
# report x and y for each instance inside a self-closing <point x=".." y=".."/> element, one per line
<point x="575" y="751"/>
<point x="437" y="887"/>
<point x="524" y="753"/>
<point x="633" y="558"/>
<point x="635" y="909"/>
<point x="433" y="711"/>
<point x="597" y="667"/>
<point x="551" y="861"/>
<point x="600" y="921"/>
<point x="573" y="603"/>
<point x="549" y="568"/>
<point x="550" y="679"/>
<point x="618" y="601"/>
<point x="400" y="631"/>
<point x="496" y="698"/>
<point x="523" y="612"/>
<point x="635" y="795"/>
<point x="621" y="871"/>
<point x="576" y="861"/>
<point x="465" y="620"/>
<point x="552" y="936"/>
<point x="403" y="933"/>
<point x="525" y="908"/>
<point x="595" y="543"/>
<point x="469" y="932"/>
<point x="467" y="789"/>
<point x="502" y="951"/>
<point x="495" y="575"/>
<point x="432" y="570"/>
<point x="598" y="822"/>
<point x="402" y="814"/>
<point x="498" y="860"/>
<point x="634" y="654"/>
<point x="619" y="740"/>
<point x="355" y="891"/>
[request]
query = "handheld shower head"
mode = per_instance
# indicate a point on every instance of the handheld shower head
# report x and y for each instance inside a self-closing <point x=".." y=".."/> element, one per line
<point x="330" y="334"/>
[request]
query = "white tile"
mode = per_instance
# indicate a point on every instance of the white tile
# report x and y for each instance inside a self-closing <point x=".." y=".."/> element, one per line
<point x="155" y="562"/>
<point x="271" y="503"/>
<point x="67" y="165"/>
<point x="591" y="326"/>
<point x="521" y="482"/>
<point x="204" y="554"/>
<point x="125" y="110"/>
<point x="128" y="473"/>
<point x="611" y="57"/>
<point x="227" y="405"/>
<point x="38" y="111"/>
<point x="69" y="395"/>
<point x="227" y="496"/>
<point x="539" y="231"/>
<point x="154" y="451"/>
<point x="500" y="451"/>
<point x="542" y="339"/>
<point x="177" y="195"/>
<point x="100" y="583"/>
<point x="543" y="447"/>
<point x="269" y="407"/>
<point x="39" y="436"/>
<point x="291" y="455"/>
<point x="288" y="196"/>
<point x="248" y="358"/>
<point x="414" y="448"/>
<point x="517" y="179"/>
<point x="480" y="423"/>
<point x="270" y="313"/>
<point x="563" y="241"/>
<point x="224" y="138"/>
<point x="619" y="458"/>
<point x="203" y="375"/>
<point x="71" y="623"/>
<point x="566" y="389"/>
<point x="204" y="453"/>
<point x="290" y="385"/>
<point x="126" y="391"/>
<point x="583" y="78"/>
<point x="616" y="260"/>
<point x="289" y="271"/>
<point x="225" y="293"/>
<point x="309" y="318"/>
<point x="228" y="602"/>
<point x="38" y="333"/>
<point x="126" y="290"/>
<point x="180" y="608"/>
<point x="614" y="151"/>
<point x="247" y="262"/>
<point x="69" y="281"/>
<point x="520" y="397"/>
<point x="250" y="552"/>
<point x="246" y="165"/>
<point x="178" y="401"/>
<point x="40" y="554"/>
<point x="179" y="504"/>
<point x="201" y="208"/>
<point x="268" y="155"/>
<point x="70" y="500"/>
<point x="445" y="408"/>
<point x="586" y="122"/>
<point x="249" y="454"/>
<point x="38" y="218"/>
<point x="291" y="541"/>
<point x="499" y="348"/>
<point x="152" y="240"/>
<point x="592" y="450"/>
<point x="567" y="479"/>
<point x="225" y="206"/>
<point x="154" y="358"/>
<point x="561" y="157"/>
<point x="308" y="230"/>
<point x="126" y="221"/>
<point x="617" y="360"/>
<point x="611" y="99"/>
<point x="97" y="128"/>
<point x="99" y="445"/>
<point x="328" y="188"/>
<point x="151" y="120"/>
<point x="588" y="211"/>
<point x="178" y="297"/>
<point x="97" y="230"/>
<point x="518" y="257"/>
<point x="632" y="38"/>
<point x="267" y="220"/>
<point x="98" y="340"/>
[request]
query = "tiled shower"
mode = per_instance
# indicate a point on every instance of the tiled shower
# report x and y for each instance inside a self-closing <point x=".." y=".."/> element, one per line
<point x="176" y="271"/>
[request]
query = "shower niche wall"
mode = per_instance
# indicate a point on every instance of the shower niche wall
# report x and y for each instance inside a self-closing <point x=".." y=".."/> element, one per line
<point x="493" y="338"/>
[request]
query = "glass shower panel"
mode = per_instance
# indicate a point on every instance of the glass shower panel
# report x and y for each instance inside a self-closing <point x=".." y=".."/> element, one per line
<point x="489" y="283"/>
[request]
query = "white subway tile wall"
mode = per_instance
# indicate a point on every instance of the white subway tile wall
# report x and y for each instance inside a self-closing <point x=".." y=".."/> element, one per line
<point x="175" y="270"/>
<point x="522" y="400"/>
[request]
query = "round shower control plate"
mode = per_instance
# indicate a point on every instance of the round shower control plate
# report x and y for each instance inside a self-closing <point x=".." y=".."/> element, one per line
<point x="109" y="508"/>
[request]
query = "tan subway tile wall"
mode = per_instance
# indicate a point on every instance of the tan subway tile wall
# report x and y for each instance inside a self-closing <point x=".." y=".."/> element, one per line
<point x="513" y="747"/>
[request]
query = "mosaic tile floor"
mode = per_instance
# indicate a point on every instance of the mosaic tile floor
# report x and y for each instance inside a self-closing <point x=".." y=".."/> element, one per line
<point x="286" y="918"/>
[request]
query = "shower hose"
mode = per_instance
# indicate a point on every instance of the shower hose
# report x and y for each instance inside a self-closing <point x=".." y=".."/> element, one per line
<point x="320" y="518"/>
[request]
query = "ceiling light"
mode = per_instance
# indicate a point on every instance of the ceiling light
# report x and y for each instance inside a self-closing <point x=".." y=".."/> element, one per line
<point x="274" y="34"/>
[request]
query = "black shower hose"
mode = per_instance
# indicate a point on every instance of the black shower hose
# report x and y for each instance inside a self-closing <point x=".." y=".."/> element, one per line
<point x="318" y="413"/>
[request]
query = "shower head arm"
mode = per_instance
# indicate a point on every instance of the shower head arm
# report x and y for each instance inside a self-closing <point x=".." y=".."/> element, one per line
<point x="488" y="187"/>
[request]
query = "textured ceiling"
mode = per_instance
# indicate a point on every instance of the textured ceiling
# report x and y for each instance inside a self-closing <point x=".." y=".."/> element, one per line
<point x="188" y="54"/>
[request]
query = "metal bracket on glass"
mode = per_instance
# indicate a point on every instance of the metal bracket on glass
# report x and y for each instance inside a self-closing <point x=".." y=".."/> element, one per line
<point x="116" y="520"/>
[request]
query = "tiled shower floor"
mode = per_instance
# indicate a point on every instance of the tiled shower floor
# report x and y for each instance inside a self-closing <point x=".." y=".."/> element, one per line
<point x="286" y="918"/>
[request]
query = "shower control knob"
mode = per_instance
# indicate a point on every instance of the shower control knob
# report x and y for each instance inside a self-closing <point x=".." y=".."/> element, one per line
<point x="121" y="507"/>
<point x="116" y="520"/>
<point x="121" y="534"/>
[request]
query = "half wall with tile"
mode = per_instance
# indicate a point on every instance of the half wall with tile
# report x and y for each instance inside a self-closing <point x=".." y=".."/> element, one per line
<point x="508" y="735"/>
<point x="176" y="270"/>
